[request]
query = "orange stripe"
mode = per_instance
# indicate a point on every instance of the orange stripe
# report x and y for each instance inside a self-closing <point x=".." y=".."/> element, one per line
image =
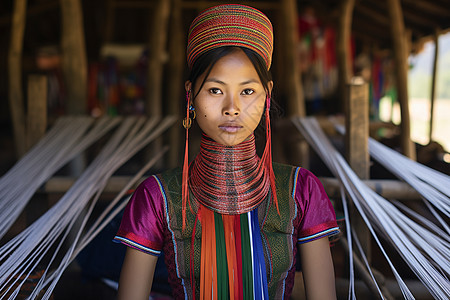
<point x="230" y="242"/>
<point x="208" y="266"/>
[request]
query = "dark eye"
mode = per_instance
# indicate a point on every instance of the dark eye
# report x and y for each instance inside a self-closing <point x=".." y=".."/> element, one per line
<point x="215" y="91"/>
<point x="248" y="92"/>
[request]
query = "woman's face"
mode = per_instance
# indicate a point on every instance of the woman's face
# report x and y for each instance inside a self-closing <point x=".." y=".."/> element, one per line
<point x="230" y="103"/>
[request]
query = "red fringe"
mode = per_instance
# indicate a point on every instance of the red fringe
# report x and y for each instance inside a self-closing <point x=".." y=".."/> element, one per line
<point x="184" y="184"/>
<point x="267" y="155"/>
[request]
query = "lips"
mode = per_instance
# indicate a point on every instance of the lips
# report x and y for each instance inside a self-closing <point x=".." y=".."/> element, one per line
<point x="230" y="127"/>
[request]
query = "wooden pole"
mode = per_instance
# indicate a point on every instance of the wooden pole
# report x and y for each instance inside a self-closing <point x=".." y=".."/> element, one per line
<point x="357" y="146"/>
<point x="401" y="74"/>
<point x="299" y="151"/>
<point x="74" y="60"/>
<point x="296" y="100"/>
<point x="175" y="92"/>
<point x="433" y="83"/>
<point x="157" y="58"/>
<point x="15" y="75"/>
<point x="343" y="49"/>
<point x="37" y="109"/>
<point x="157" y="46"/>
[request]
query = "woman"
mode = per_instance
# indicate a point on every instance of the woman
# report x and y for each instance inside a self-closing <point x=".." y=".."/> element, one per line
<point x="229" y="222"/>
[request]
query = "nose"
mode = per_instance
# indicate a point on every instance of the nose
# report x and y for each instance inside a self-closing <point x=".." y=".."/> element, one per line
<point x="231" y="106"/>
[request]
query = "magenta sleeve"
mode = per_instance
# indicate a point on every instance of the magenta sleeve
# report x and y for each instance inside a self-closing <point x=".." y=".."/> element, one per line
<point x="143" y="220"/>
<point x="317" y="216"/>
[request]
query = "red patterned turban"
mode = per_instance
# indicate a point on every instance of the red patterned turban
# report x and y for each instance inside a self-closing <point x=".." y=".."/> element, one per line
<point x="230" y="25"/>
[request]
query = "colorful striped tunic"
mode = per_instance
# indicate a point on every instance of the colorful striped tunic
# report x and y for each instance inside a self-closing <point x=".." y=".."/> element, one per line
<point x="264" y="244"/>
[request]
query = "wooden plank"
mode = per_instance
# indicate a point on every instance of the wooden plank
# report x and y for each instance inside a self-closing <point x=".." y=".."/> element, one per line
<point x="74" y="62"/>
<point x="401" y="74"/>
<point x="433" y="83"/>
<point x="176" y="91"/>
<point x="15" y="75"/>
<point x="37" y="109"/>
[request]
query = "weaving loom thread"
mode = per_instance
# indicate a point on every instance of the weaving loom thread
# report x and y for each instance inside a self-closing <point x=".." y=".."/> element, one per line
<point x="406" y="235"/>
<point x="19" y="184"/>
<point x="36" y="239"/>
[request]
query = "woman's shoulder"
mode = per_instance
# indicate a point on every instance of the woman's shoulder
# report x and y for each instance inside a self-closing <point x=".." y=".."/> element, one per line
<point x="296" y="170"/>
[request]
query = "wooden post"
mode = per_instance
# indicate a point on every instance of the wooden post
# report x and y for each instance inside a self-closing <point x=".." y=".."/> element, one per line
<point x="296" y="100"/>
<point x="176" y="86"/>
<point x="157" y="46"/>
<point x="357" y="149"/>
<point x="401" y="74"/>
<point x="15" y="75"/>
<point x="74" y="60"/>
<point x="343" y="49"/>
<point x="37" y="109"/>
<point x="292" y="75"/>
<point x="433" y="83"/>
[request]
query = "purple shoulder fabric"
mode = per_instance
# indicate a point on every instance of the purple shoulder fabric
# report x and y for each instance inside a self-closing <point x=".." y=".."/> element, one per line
<point x="144" y="220"/>
<point x="318" y="218"/>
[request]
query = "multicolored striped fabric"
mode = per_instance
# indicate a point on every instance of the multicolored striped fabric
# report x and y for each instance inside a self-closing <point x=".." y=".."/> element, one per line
<point x="232" y="260"/>
<point x="230" y="25"/>
<point x="268" y="238"/>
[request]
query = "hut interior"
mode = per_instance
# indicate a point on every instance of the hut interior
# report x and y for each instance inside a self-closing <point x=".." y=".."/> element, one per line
<point x="83" y="72"/>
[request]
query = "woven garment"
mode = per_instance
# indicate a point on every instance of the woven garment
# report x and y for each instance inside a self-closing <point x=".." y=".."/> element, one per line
<point x="228" y="179"/>
<point x="230" y="25"/>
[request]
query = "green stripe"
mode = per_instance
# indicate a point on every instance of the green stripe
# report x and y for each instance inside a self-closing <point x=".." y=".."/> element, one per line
<point x="247" y="272"/>
<point x="221" y="256"/>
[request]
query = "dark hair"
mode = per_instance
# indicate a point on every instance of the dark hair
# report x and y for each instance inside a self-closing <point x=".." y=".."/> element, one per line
<point x="205" y="63"/>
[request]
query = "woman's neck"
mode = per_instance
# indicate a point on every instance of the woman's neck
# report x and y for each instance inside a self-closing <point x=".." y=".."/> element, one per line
<point x="228" y="179"/>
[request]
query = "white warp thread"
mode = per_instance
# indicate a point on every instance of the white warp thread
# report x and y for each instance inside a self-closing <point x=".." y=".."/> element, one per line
<point x="67" y="138"/>
<point x="378" y="213"/>
<point x="23" y="253"/>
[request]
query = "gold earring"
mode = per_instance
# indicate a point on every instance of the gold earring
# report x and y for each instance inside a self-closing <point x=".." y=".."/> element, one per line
<point x="187" y="123"/>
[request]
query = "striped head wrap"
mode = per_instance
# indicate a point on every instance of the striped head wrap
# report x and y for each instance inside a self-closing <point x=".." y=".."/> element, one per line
<point x="230" y="25"/>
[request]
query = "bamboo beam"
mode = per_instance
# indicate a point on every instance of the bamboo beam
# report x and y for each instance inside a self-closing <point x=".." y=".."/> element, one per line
<point x="433" y="83"/>
<point x="37" y="109"/>
<point x="429" y="7"/>
<point x="387" y="188"/>
<point x="343" y="47"/>
<point x="401" y="74"/>
<point x="175" y="92"/>
<point x="370" y="13"/>
<point x="74" y="60"/>
<point x="15" y="76"/>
